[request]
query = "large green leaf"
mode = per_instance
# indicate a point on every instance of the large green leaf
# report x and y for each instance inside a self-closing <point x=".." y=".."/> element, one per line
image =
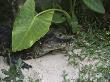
<point x="95" y="5"/>
<point x="28" y="27"/>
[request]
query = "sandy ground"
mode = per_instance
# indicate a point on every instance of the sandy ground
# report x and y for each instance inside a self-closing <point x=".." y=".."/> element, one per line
<point x="48" y="68"/>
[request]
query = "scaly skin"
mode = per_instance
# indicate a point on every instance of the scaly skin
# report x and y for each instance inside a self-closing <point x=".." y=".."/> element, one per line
<point x="57" y="42"/>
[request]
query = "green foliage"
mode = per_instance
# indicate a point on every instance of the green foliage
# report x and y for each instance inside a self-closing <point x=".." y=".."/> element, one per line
<point x="62" y="17"/>
<point x="94" y="46"/>
<point x="29" y="27"/>
<point x="34" y="81"/>
<point x="65" y="77"/>
<point x="14" y="73"/>
<point x="95" y="5"/>
<point x="58" y="18"/>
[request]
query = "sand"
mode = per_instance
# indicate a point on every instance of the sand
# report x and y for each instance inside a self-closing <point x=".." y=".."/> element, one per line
<point x="48" y="68"/>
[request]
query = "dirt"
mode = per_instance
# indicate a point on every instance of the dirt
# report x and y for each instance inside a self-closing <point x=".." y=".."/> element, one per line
<point x="48" y="68"/>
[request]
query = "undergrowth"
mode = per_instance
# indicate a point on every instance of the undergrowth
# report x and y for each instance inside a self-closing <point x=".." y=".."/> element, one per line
<point x="14" y="73"/>
<point x="93" y="44"/>
<point x="94" y="48"/>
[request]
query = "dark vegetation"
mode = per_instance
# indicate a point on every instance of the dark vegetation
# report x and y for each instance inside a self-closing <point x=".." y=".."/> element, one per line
<point x="90" y="26"/>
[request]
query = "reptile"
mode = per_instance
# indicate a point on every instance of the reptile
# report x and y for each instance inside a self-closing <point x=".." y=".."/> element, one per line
<point x="56" y="39"/>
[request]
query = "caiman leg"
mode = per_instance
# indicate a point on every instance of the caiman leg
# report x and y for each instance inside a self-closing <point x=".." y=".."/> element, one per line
<point x="13" y="60"/>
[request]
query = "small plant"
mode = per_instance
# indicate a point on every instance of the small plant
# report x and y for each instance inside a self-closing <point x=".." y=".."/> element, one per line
<point x="30" y="26"/>
<point x="14" y="74"/>
<point x="65" y="77"/>
<point x="35" y="80"/>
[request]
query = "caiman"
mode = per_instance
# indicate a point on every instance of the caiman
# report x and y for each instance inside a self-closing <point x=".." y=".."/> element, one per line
<point x="56" y="39"/>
